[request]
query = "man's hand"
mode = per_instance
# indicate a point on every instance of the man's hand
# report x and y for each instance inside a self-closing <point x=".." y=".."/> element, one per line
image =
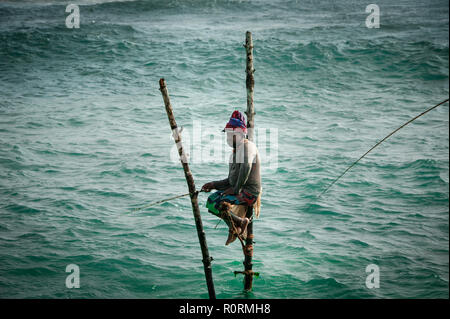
<point x="229" y="191"/>
<point x="208" y="187"/>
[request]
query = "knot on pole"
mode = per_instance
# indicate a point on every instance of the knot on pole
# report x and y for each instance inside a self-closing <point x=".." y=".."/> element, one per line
<point x="207" y="261"/>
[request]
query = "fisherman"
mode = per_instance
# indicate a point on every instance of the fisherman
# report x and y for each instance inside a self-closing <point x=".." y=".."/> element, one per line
<point x="243" y="184"/>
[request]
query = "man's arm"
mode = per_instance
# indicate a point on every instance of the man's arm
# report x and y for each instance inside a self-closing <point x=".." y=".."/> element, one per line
<point x="222" y="184"/>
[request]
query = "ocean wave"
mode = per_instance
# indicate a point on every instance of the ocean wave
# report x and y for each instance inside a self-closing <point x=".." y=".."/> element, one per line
<point x="359" y="243"/>
<point x="22" y="209"/>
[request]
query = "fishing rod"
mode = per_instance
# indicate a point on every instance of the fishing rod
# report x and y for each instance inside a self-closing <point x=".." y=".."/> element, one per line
<point x="163" y="201"/>
<point x="384" y="139"/>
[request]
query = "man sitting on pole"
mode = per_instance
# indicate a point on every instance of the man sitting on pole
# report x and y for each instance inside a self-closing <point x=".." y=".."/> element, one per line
<point x="242" y="187"/>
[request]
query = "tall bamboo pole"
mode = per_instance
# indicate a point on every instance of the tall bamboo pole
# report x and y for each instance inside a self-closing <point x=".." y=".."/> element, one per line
<point x="250" y="83"/>
<point x="193" y="194"/>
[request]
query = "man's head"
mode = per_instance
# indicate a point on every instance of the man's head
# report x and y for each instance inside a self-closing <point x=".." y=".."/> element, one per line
<point x="236" y="129"/>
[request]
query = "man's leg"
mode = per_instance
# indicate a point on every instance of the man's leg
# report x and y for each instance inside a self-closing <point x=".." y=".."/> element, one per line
<point x="236" y="225"/>
<point x="220" y="205"/>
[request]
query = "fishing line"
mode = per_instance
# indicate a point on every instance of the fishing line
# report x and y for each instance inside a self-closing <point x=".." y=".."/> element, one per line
<point x="389" y="135"/>
<point x="163" y="201"/>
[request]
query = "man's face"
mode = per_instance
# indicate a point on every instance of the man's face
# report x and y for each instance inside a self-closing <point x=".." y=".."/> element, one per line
<point x="234" y="135"/>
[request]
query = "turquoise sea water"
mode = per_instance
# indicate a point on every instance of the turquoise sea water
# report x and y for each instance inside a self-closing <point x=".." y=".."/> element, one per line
<point x="84" y="138"/>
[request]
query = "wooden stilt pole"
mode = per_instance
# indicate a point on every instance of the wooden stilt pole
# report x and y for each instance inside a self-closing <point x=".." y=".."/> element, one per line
<point x="250" y="83"/>
<point x="248" y="254"/>
<point x="193" y="193"/>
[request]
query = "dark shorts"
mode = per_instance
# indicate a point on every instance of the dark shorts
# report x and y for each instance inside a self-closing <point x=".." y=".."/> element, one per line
<point x="243" y="198"/>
